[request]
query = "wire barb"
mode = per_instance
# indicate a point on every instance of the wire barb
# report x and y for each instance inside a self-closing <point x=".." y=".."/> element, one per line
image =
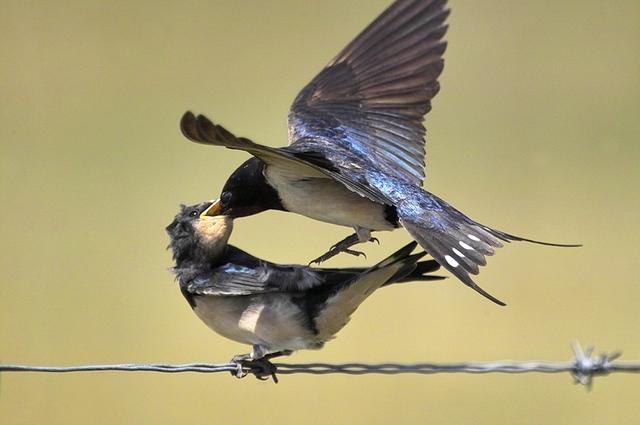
<point x="587" y="367"/>
<point x="583" y="368"/>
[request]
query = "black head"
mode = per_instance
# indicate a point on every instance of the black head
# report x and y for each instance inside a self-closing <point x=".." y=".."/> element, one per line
<point x="247" y="192"/>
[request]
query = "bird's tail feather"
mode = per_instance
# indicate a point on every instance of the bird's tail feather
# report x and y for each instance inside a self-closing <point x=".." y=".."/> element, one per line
<point x="419" y="274"/>
<point x="400" y="254"/>
<point x="407" y="265"/>
<point x="346" y="299"/>
<point x="411" y="269"/>
<point x="455" y="241"/>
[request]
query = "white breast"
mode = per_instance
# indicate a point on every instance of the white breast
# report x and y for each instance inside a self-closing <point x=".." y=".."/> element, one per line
<point x="326" y="200"/>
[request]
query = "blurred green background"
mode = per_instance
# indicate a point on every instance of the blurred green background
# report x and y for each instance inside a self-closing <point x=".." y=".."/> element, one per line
<point x="535" y="132"/>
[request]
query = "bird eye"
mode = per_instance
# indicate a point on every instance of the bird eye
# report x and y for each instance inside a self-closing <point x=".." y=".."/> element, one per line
<point x="225" y="198"/>
<point x="193" y="213"/>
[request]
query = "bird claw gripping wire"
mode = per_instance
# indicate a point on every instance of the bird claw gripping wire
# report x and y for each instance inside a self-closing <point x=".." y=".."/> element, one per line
<point x="586" y="367"/>
<point x="261" y="368"/>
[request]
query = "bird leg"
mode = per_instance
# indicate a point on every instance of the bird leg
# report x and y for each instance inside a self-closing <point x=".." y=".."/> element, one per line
<point x="361" y="235"/>
<point x="257" y="363"/>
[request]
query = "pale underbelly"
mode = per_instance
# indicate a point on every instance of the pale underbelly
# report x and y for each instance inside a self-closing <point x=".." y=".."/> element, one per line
<point x="269" y="320"/>
<point x="329" y="201"/>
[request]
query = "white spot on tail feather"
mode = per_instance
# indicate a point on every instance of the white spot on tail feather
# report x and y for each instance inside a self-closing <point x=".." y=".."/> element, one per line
<point x="474" y="238"/>
<point x="458" y="253"/>
<point x="452" y="262"/>
<point x="465" y="246"/>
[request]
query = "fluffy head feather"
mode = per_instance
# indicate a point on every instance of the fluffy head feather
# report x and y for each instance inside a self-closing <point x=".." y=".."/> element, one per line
<point x="195" y="238"/>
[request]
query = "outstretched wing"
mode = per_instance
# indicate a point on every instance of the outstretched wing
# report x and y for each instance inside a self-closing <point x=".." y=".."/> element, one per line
<point x="299" y="164"/>
<point x="371" y="99"/>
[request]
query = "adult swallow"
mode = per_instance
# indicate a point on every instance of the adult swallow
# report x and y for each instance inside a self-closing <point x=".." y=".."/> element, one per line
<point x="357" y="145"/>
<point x="277" y="309"/>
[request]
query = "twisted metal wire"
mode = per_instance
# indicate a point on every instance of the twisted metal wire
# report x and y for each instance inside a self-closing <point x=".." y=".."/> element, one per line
<point x="584" y="367"/>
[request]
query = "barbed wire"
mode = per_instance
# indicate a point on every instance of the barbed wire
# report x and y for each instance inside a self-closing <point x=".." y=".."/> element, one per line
<point x="584" y="367"/>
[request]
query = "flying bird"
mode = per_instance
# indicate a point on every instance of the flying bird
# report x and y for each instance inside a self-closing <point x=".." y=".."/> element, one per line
<point x="356" y="152"/>
<point x="275" y="308"/>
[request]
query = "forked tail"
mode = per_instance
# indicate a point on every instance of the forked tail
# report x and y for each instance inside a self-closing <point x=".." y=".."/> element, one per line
<point x="455" y="241"/>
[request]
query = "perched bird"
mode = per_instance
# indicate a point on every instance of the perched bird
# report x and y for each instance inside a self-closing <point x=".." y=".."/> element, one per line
<point x="275" y="308"/>
<point x="357" y="145"/>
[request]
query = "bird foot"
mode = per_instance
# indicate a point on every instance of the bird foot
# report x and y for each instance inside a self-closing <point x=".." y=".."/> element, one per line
<point x="261" y="368"/>
<point x="335" y="251"/>
<point x="355" y="253"/>
<point x="343" y="246"/>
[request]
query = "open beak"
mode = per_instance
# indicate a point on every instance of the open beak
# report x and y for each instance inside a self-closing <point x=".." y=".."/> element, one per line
<point x="213" y="210"/>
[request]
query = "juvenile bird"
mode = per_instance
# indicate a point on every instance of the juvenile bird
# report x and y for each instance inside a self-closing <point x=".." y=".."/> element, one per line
<point x="274" y="308"/>
<point x="356" y="147"/>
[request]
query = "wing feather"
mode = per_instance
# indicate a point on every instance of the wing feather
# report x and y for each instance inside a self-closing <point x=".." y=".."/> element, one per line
<point x="300" y="163"/>
<point x="372" y="97"/>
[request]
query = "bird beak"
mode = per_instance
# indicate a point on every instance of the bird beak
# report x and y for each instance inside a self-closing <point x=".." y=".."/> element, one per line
<point x="213" y="210"/>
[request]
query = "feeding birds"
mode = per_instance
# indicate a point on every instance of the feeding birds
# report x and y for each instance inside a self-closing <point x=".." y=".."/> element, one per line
<point x="356" y="152"/>
<point x="274" y="308"/>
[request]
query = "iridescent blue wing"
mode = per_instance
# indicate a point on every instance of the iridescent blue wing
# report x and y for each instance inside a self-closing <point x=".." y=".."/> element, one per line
<point x="372" y="98"/>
